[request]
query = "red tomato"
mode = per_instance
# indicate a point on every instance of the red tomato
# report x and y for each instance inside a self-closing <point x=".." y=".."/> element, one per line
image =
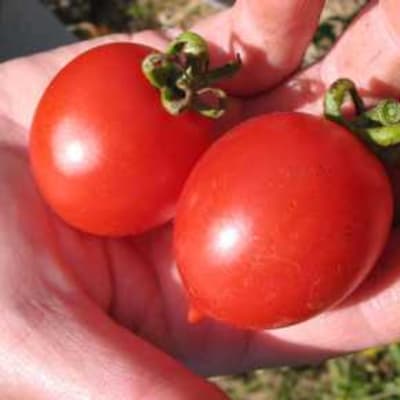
<point x="280" y="220"/>
<point x="106" y="156"/>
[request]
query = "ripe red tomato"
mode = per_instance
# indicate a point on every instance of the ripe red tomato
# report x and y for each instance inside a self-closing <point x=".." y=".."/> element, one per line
<point x="106" y="156"/>
<point x="280" y="220"/>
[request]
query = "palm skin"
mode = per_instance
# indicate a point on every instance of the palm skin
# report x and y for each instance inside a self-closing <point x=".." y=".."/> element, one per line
<point x="76" y="307"/>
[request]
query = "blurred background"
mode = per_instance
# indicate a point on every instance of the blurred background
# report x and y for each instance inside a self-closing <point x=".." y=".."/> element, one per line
<point x="91" y="18"/>
<point x="371" y="375"/>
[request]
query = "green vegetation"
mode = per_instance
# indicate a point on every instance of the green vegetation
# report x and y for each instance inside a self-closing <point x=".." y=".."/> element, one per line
<point x="371" y="375"/>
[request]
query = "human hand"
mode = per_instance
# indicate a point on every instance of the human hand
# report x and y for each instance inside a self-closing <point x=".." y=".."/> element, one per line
<point x="79" y="312"/>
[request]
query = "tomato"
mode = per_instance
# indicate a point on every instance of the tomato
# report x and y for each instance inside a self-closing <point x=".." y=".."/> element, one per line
<point x="280" y="220"/>
<point x="106" y="156"/>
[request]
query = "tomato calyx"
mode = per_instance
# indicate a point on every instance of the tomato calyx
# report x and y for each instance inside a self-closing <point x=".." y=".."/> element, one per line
<point x="184" y="78"/>
<point x="378" y="127"/>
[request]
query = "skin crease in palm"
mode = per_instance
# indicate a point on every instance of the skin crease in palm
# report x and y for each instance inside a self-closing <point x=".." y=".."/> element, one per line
<point x="84" y="318"/>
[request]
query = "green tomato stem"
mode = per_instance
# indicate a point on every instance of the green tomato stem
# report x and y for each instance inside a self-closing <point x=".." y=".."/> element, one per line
<point x="385" y="136"/>
<point x="337" y="95"/>
<point x="183" y="76"/>
<point x="378" y="127"/>
<point x="386" y="112"/>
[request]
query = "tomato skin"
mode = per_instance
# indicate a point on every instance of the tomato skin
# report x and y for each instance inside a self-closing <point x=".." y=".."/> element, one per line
<point x="280" y="220"/>
<point x="106" y="156"/>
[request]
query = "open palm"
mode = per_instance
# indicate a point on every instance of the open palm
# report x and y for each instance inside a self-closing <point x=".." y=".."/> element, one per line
<point x="83" y="310"/>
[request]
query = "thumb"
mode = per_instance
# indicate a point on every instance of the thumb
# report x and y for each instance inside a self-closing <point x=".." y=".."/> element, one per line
<point x="269" y="35"/>
<point x="368" y="53"/>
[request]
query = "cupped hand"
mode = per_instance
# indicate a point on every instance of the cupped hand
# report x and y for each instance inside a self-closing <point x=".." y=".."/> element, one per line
<point x="87" y="318"/>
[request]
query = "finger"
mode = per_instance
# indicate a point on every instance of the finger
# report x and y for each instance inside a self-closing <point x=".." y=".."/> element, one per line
<point x="368" y="53"/>
<point x="55" y="343"/>
<point x="269" y="35"/>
